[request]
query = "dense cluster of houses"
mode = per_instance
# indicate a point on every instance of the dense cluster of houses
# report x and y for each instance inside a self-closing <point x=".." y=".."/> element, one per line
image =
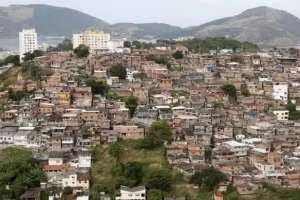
<point x="252" y="140"/>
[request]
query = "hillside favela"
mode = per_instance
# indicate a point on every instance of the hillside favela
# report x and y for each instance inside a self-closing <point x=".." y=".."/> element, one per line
<point x="149" y="100"/>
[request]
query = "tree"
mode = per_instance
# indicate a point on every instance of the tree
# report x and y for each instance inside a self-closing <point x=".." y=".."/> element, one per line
<point x="112" y="96"/>
<point x="98" y="87"/>
<point x="294" y="114"/>
<point x="2" y="62"/>
<point x="19" y="171"/>
<point x="119" y="71"/>
<point x="154" y="194"/>
<point x="35" y="176"/>
<point x="244" y="90"/>
<point x="52" y="49"/>
<point x="238" y="59"/>
<point x="115" y="150"/>
<point x="133" y="171"/>
<point x="167" y="42"/>
<point x="66" y="45"/>
<point x="151" y="141"/>
<point x="35" y="72"/>
<point x="291" y="107"/>
<point x="178" y="55"/>
<point x="256" y="56"/>
<point x="18" y="95"/>
<point x="162" y="60"/>
<point x="127" y="44"/>
<point x="204" y="45"/>
<point x="14" y="59"/>
<point x="208" y="154"/>
<point x="159" y="179"/>
<point x="32" y="55"/>
<point x="232" y="196"/>
<point x="150" y="57"/>
<point x="137" y="44"/>
<point x="293" y="51"/>
<point x="147" y="45"/>
<point x="131" y="104"/>
<point x="82" y="51"/>
<point x="45" y="195"/>
<point x="141" y="75"/>
<point x="230" y="90"/>
<point x="162" y="130"/>
<point x="169" y="66"/>
<point x="208" y="178"/>
<point x="67" y="191"/>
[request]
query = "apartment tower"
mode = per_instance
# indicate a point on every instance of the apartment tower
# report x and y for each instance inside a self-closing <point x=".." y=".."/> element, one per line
<point x="94" y="39"/>
<point x="27" y="42"/>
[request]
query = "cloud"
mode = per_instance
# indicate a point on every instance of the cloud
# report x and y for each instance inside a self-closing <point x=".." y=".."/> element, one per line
<point x="209" y="2"/>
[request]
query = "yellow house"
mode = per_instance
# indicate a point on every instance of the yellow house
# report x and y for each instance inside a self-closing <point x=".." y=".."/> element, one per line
<point x="64" y="99"/>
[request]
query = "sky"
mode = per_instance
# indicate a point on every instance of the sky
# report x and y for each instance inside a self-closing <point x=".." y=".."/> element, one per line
<point x="181" y="13"/>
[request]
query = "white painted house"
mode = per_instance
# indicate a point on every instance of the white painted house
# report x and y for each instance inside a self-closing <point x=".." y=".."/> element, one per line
<point x="238" y="148"/>
<point x="82" y="198"/>
<point x="136" y="193"/>
<point x="21" y="138"/>
<point x="84" y="159"/>
<point x="7" y="134"/>
<point x="264" y="167"/>
<point x="55" y="158"/>
<point x="281" y="91"/>
<point x="75" y="180"/>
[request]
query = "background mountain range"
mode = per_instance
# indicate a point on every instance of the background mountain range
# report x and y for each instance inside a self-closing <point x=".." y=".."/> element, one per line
<point x="262" y="25"/>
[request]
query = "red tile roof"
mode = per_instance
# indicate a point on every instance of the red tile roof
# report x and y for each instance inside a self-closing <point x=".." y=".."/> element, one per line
<point x="53" y="168"/>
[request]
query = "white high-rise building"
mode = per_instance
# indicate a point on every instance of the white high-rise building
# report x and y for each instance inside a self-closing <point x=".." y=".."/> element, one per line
<point x="95" y="40"/>
<point x="27" y="41"/>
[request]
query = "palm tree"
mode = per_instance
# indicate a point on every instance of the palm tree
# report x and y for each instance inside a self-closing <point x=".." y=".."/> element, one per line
<point x="35" y="176"/>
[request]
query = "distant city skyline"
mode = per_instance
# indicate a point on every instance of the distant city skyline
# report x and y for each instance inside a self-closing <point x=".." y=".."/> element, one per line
<point x="174" y="12"/>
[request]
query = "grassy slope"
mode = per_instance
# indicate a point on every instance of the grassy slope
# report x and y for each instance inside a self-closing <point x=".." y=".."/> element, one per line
<point x="102" y="168"/>
<point x="9" y="77"/>
<point x="16" y="74"/>
<point x="13" y="153"/>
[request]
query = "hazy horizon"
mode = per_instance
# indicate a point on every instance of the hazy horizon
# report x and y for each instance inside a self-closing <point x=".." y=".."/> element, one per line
<point x="175" y="12"/>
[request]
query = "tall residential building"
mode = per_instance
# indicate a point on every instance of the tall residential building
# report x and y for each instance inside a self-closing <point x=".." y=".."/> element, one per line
<point x="96" y="40"/>
<point x="27" y="41"/>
